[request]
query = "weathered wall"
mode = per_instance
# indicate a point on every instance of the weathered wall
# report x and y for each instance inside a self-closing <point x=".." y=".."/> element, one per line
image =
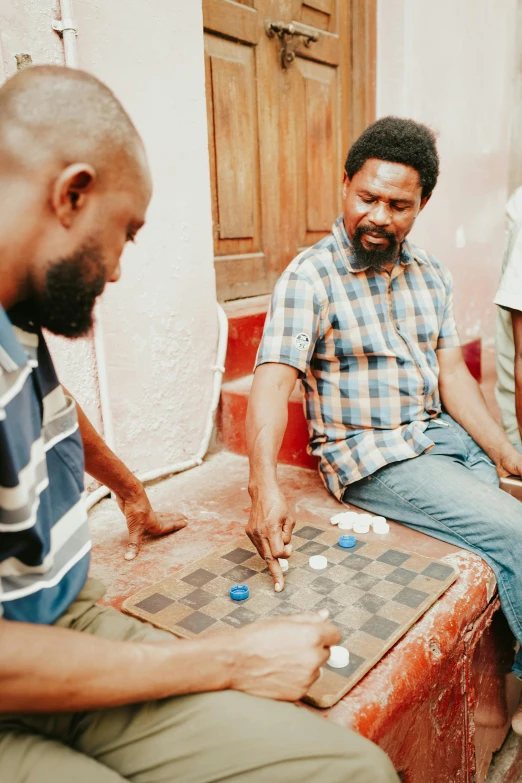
<point x="160" y="320"/>
<point x="450" y="64"/>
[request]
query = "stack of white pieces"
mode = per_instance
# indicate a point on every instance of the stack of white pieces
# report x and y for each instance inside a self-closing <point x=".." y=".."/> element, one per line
<point x="360" y="523"/>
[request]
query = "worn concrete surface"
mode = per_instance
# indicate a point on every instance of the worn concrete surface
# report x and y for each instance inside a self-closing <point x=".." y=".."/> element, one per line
<point x="507" y="763"/>
<point x="418" y="702"/>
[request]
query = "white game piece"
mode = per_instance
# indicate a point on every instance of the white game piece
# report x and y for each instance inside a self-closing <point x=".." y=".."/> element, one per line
<point x="318" y="562"/>
<point x="361" y="525"/>
<point x="339" y="657"/>
<point x="284" y="564"/>
<point x="380" y="526"/>
<point x="345" y="519"/>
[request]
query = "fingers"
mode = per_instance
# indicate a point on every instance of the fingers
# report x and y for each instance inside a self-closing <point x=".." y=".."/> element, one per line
<point x="133" y="547"/>
<point x="165" y="523"/>
<point x="288" y="529"/>
<point x="276" y="573"/>
<point x="329" y="633"/>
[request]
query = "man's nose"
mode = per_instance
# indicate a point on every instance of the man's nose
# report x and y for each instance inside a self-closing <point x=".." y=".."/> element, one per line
<point x="116" y="274"/>
<point x="380" y="215"/>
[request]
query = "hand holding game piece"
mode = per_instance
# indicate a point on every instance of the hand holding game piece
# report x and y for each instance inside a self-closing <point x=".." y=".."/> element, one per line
<point x="281" y="658"/>
<point x="269" y="528"/>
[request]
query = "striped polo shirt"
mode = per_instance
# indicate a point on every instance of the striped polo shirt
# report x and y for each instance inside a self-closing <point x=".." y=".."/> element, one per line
<point x="44" y="538"/>
<point x="365" y="344"/>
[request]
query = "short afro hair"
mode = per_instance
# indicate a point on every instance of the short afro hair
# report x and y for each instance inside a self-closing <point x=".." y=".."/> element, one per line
<point x="398" y="140"/>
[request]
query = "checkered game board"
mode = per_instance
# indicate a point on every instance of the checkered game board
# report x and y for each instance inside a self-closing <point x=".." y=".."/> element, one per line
<point x="374" y="593"/>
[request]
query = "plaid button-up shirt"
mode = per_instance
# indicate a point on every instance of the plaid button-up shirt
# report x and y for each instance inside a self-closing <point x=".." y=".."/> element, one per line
<point x="364" y="343"/>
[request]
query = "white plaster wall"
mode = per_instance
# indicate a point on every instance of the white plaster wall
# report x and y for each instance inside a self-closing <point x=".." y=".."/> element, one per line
<point x="450" y="64"/>
<point x="160" y="320"/>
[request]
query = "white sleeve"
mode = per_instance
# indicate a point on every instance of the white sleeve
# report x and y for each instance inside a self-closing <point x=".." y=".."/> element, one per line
<point x="509" y="294"/>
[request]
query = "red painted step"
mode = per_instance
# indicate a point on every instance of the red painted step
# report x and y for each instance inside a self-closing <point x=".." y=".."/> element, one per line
<point x="246" y="319"/>
<point x="231" y="424"/>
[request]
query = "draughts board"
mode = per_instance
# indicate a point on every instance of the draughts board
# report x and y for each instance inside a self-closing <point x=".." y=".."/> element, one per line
<point x="374" y="592"/>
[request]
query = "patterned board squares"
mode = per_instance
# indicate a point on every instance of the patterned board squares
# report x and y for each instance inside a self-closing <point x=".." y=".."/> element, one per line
<point x="374" y="594"/>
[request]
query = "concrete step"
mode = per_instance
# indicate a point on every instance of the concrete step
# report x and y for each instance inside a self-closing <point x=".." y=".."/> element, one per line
<point x="439" y="702"/>
<point x="231" y="423"/>
<point x="246" y="318"/>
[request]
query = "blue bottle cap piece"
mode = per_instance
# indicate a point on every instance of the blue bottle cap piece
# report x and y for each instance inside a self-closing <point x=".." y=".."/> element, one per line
<point x="239" y="592"/>
<point x="347" y="542"/>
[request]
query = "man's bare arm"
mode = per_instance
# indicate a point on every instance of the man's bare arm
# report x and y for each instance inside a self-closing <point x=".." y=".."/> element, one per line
<point x="48" y="669"/>
<point x="270" y="525"/>
<point x="102" y="464"/>
<point x="463" y="399"/>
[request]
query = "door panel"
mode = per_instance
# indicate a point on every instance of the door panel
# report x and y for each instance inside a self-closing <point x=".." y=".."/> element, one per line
<point x="279" y="129"/>
<point x="233" y="137"/>
<point x="320" y="161"/>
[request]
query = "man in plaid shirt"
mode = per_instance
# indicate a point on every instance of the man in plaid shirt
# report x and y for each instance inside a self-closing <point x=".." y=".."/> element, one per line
<point x="365" y="319"/>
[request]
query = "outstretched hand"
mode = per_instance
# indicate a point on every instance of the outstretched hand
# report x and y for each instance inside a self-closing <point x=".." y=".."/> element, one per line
<point x="142" y="520"/>
<point x="270" y="528"/>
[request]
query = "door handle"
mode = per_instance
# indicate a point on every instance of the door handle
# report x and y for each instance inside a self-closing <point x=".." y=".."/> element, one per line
<point x="287" y="32"/>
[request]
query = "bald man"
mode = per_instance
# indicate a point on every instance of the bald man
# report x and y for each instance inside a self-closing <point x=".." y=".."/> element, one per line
<point x="86" y="693"/>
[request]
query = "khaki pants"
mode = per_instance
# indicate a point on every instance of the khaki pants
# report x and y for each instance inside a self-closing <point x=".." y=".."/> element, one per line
<point x="226" y="736"/>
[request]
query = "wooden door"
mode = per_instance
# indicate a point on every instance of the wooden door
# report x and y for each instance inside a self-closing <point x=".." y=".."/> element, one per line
<point x="279" y="127"/>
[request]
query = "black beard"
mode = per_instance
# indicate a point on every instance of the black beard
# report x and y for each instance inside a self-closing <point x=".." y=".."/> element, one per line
<point x="378" y="257"/>
<point x="72" y="285"/>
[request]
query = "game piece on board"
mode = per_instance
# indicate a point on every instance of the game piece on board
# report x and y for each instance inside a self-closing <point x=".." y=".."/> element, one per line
<point x="345" y="519"/>
<point x="380" y="526"/>
<point x="339" y="657"/>
<point x="284" y="564"/>
<point x="239" y="592"/>
<point x="361" y="525"/>
<point x="347" y="542"/>
<point x="318" y="562"/>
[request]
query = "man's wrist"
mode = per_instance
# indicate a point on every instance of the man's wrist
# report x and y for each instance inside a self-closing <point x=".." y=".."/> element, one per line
<point x="129" y="488"/>
<point x="260" y="485"/>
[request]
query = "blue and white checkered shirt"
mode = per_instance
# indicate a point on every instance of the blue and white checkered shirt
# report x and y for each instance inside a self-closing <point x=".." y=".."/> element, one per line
<point x="365" y="345"/>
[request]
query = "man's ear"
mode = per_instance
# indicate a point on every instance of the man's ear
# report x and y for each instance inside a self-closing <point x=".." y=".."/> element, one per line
<point x="423" y="203"/>
<point x="71" y="191"/>
<point x="346" y="183"/>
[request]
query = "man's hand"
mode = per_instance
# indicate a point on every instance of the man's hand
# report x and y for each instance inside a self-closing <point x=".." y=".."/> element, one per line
<point x="281" y="658"/>
<point x="270" y="529"/>
<point x="509" y="462"/>
<point x="142" y="520"/>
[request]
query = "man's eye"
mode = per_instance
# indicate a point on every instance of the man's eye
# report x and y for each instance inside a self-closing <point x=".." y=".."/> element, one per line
<point x="368" y="200"/>
<point x="399" y="209"/>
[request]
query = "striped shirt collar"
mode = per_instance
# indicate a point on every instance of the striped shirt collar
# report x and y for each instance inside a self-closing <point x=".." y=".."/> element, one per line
<point x="346" y="249"/>
<point x="12" y="354"/>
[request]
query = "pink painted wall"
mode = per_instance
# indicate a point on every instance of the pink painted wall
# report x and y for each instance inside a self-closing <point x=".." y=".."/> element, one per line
<point x="451" y="64"/>
<point x="160" y="320"/>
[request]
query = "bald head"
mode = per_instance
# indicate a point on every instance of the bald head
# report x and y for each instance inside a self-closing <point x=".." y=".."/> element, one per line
<point x="67" y="115"/>
<point x="74" y="172"/>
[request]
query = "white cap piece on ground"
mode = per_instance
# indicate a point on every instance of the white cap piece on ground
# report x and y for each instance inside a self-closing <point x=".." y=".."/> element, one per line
<point x="318" y="562"/>
<point x="339" y="657"/>
<point x="361" y="525"/>
<point x="284" y="564"/>
<point x="345" y="519"/>
<point x="380" y="526"/>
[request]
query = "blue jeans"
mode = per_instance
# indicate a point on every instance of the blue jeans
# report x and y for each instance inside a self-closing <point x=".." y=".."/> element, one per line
<point x="452" y="493"/>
